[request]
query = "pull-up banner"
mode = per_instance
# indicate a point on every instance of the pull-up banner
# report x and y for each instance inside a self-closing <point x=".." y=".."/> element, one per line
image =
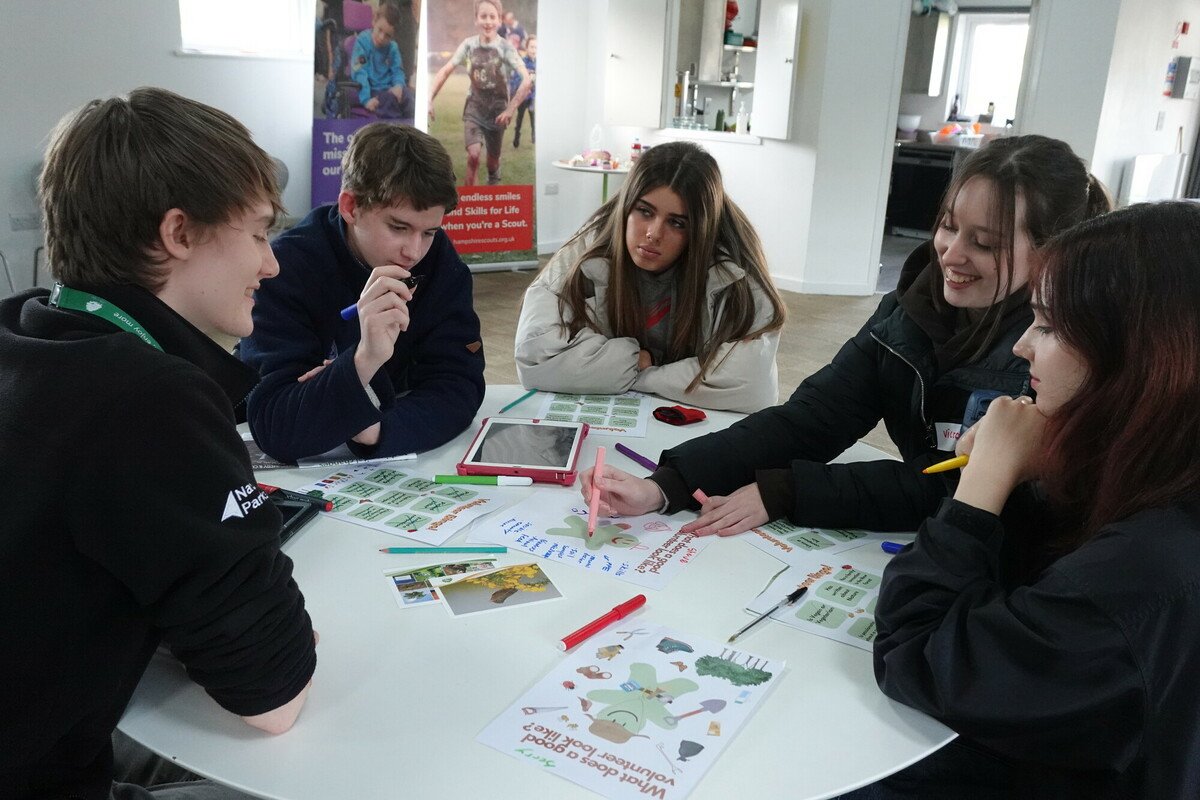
<point x="364" y="68"/>
<point x="483" y="88"/>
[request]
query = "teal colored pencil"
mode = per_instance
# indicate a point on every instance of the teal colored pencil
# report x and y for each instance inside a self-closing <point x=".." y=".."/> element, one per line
<point x="443" y="549"/>
<point x="519" y="400"/>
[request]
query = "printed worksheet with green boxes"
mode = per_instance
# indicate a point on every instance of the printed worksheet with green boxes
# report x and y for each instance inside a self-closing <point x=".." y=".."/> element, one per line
<point x="843" y="591"/>
<point x="606" y="414"/>
<point x="794" y="544"/>
<point x="403" y="503"/>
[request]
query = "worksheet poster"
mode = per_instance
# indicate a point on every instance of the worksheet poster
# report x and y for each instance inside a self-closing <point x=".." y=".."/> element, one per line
<point x="843" y="590"/>
<point x="478" y="54"/>
<point x="643" y="711"/>
<point x="401" y="503"/>
<point x="552" y="524"/>
<point x="372" y="42"/>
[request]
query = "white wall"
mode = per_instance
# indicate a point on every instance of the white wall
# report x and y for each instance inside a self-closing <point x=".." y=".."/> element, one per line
<point x="1072" y="43"/>
<point x="1133" y="98"/>
<point x="817" y="199"/>
<point x="57" y="54"/>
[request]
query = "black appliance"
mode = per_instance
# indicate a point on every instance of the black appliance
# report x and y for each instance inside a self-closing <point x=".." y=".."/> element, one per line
<point x="920" y="174"/>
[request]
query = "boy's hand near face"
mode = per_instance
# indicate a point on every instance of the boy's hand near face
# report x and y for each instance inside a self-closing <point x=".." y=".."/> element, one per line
<point x="382" y="315"/>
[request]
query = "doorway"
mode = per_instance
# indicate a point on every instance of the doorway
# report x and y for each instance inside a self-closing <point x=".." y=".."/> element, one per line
<point x="961" y="70"/>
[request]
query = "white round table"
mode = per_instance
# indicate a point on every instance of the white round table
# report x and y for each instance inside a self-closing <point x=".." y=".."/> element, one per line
<point x="604" y="171"/>
<point x="399" y="695"/>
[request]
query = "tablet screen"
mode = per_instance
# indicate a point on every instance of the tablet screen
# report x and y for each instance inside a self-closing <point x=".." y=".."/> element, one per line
<point x="525" y="443"/>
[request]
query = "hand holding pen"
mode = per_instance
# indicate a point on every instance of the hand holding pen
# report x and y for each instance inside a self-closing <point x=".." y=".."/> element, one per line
<point x="624" y="495"/>
<point x="382" y="316"/>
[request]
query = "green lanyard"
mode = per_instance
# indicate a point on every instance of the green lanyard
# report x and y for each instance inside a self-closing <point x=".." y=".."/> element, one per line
<point x="66" y="297"/>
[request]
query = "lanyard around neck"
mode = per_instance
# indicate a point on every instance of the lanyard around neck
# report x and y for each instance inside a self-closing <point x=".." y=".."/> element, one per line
<point x="76" y="300"/>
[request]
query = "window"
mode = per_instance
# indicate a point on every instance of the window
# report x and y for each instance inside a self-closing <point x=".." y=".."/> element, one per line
<point x="989" y="57"/>
<point x="267" y="28"/>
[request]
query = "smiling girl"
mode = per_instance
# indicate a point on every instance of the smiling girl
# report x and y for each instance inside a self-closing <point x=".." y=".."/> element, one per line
<point x="946" y="333"/>
<point x="1053" y="625"/>
<point x="665" y="290"/>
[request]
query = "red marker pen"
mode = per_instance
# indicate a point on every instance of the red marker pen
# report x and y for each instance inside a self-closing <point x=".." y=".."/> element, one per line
<point x="597" y="625"/>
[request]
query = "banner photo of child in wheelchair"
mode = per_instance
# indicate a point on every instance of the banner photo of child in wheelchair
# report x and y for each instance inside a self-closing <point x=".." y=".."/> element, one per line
<point x="364" y="56"/>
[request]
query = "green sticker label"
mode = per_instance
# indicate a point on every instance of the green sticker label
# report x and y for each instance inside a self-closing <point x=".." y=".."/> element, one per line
<point x="810" y="540"/>
<point x="591" y="420"/>
<point x="362" y="489"/>
<point x="781" y="528"/>
<point x="856" y="577"/>
<point x="456" y="494"/>
<point x="568" y="407"/>
<point x="822" y="614"/>
<point x="622" y="422"/>
<point x="396" y="498"/>
<point x="844" y="536"/>
<point x="871" y="605"/>
<point x="408" y="522"/>
<point x="370" y="512"/>
<point x="840" y="593"/>
<point x="863" y="628"/>
<point x="597" y="398"/>
<point x="418" y="484"/>
<point x="434" y="505"/>
<point x="341" y="502"/>
<point x="627" y="401"/>
<point x="570" y="398"/>
<point x="560" y="417"/>
<point x="386" y="476"/>
<point x="594" y="410"/>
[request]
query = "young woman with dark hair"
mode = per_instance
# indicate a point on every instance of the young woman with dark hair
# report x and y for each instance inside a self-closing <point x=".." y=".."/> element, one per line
<point x="665" y="290"/>
<point x="945" y="334"/>
<point x="1053" y="624"/>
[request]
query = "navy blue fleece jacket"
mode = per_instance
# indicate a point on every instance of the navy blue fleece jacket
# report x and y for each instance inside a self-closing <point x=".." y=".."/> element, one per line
<point x="428" y="391"/>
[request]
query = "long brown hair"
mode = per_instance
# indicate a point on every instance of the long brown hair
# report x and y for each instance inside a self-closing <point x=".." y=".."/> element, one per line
<point x="1058" y="192"/>
<point x="1123" y="292"/>
<point x="718" y="232"/>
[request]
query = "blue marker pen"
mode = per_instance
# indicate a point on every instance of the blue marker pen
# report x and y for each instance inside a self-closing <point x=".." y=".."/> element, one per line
<point x="891" y="547"/>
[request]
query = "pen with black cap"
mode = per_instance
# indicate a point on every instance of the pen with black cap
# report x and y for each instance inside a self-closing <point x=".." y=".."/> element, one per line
<point x="787" y="601"/>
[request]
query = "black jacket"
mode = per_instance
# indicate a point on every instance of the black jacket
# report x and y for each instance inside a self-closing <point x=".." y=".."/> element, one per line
<point x="907" y="366"/>
<point x="132" y="518"/>
<point x="1082" y="674"/>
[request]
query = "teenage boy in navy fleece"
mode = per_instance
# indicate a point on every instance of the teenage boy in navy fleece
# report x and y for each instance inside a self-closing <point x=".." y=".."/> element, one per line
<point x="406" y="373"/>
<point x="139" y="520"/>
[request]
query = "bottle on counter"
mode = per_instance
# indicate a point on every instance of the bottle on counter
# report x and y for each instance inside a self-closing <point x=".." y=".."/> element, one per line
<point x="954" y="110"/>
<point x="635" y="151"/>
<point x="743" y="119"/>
<point x="719" y="125"/>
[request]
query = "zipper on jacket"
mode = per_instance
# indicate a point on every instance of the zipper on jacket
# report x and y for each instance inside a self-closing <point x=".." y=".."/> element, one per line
<point x="930" y="435"/>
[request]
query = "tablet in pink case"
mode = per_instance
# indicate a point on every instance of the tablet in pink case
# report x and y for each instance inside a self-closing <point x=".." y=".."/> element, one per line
<point x="541" y="449"/>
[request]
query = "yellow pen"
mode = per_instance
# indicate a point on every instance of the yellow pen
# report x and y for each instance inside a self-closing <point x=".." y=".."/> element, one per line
<point x="958" y="462"/>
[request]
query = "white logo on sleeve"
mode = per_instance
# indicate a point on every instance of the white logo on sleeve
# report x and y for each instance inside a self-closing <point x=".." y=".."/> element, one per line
<point x="92" y="305"/>
<point x="243" y="500"/>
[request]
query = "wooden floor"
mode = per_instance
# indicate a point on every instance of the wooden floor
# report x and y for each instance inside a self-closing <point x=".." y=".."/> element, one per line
<point x="817" y="326"/>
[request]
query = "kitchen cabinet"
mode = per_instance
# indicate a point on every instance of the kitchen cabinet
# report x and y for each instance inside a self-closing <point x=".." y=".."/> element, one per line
<point x="925" y="58"/>
<point x="634" y="64"/>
